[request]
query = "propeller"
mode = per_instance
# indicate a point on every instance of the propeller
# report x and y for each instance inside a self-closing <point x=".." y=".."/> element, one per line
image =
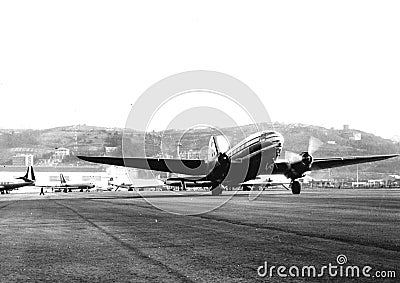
<point x="216" y="145"/>
<point x="313" y="145"/>
<point x="221" y="147"/>
<point x="292" y="156"/>
<point x="219" y="161"/>
<point x="299" y="164"/>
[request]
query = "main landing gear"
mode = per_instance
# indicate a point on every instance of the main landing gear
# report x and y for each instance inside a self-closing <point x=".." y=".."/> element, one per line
<point x="296" y="187"/>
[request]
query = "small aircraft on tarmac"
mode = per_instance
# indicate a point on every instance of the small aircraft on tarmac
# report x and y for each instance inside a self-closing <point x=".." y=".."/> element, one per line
<point x="256" y="155"/>
<point x="115" y="185"/>
<point x="68" y="187"/>
<point x="6" y="187"/>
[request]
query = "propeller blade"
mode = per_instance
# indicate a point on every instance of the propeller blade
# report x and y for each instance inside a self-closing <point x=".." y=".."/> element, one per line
<point x="292" y="157"/>
<point x="216" y="145"/>
<point x="223" y="143"/>
<point x="313" y="145"/>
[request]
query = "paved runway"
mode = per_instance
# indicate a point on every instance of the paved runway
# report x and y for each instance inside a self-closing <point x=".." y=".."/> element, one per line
<point x="121" y="237"/>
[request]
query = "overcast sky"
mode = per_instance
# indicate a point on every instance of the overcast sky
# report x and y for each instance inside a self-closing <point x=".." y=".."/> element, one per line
<point x="326" y="63"/>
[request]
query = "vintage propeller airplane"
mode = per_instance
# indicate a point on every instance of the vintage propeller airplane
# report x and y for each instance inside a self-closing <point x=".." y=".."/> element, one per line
<point x="256" y="155"/>
<point x="27" y="180"/>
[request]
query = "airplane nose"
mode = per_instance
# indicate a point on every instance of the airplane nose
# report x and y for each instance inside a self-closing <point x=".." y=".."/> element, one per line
<point x="280" y="137"/>
<point x="272" y="137"/>
<point x="276" y="137"/>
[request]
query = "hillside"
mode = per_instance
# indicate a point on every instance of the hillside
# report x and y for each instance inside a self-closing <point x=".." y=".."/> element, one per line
<point x="82" y="139"/>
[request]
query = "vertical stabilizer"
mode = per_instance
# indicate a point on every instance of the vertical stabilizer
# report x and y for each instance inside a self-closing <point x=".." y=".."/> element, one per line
<point x="62" y="179"/>
<point x="29" y="175"/>
<point x="32" y="178"/>
<point x="26" y="176"/>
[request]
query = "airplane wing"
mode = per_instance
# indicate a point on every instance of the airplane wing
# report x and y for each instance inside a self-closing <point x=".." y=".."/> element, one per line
<point x="331" y="162"/>
<point x="283" y="166"/>
<point x="180" y="166"/>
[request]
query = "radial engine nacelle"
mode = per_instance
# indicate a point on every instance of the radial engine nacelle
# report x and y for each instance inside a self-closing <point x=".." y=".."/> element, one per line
<point x="298" y="168"/>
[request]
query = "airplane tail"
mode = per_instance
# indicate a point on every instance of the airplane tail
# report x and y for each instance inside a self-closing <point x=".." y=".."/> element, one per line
<point x="62" y="179"/>
<point x="29" y="175"/>
<point x="33" y="178"/>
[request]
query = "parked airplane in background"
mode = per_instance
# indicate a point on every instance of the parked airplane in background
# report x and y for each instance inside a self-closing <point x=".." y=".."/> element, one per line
<point x="28" y="180"/>
<point x="256" y="155"/>
<point x="74" y="186"/>
<point x="137" y="185"/>
<point x="68" y="187"/>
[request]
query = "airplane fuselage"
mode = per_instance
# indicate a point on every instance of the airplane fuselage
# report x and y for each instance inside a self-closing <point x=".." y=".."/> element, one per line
<point x="78" y="185"/>
<point x="8" y="186"/>
<point x="253" y="156"/>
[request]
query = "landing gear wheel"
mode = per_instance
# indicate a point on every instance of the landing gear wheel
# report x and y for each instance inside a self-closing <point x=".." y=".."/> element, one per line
<point x="296" y="187"/>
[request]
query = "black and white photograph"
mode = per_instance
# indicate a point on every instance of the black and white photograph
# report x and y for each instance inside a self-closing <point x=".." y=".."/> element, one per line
<point x="199" y="141"/>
